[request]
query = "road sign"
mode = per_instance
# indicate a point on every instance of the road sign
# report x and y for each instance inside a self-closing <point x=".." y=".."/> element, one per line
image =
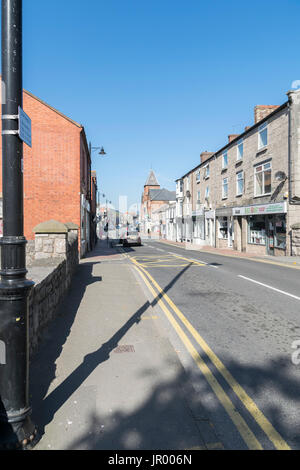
<point x="24" y="127"/>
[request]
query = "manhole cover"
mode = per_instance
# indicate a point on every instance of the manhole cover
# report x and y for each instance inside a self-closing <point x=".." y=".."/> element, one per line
<point x="127" y="348"/>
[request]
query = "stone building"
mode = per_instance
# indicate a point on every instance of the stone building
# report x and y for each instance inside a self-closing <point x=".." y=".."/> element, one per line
<point x="246" y="195"/>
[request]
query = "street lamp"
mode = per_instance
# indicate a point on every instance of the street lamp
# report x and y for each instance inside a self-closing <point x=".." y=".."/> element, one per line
<point x="17" y="429"/>
<point x="102" y="152"/>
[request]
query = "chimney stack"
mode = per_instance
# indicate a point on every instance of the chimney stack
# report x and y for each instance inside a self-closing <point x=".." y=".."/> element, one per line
<point x="231" y="137"/>
<point x="205" y="156"/>
<point x="262" y="111"/>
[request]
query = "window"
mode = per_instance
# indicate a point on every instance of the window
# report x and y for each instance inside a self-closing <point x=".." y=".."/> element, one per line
<point x="206" y="174"/>
<point x="262" y="179"/>
<point x="207" y="192"/>
<point x="262" y="136"/>
<point x="240" y="150"/>
<point x="257" y="230"/>
<point x="224" y="160"/>
<point x="198" y="177"/>
<point x="225" y="188"/>
<point x="239" y="183"/>
<point x="187" y="183"/>
<point x="223" y="228"/>
<point x="280" y="231"/>
<point x="198" y="196"/>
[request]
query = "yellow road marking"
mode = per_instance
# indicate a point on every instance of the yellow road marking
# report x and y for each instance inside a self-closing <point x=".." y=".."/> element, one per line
<point x="163" y="265"/>
<point x="152" y="261"/>
<point x="246" y="433"/>
<point x="239" y="257"/>
<point x="190" y="260"/>
<point x="259" y="417"/>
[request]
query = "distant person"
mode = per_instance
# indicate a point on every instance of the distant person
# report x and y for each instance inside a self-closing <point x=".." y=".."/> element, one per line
<point x="149" y="233"/>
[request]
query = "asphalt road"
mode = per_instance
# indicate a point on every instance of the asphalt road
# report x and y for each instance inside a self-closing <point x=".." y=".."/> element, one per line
<point x="238" y="321"/>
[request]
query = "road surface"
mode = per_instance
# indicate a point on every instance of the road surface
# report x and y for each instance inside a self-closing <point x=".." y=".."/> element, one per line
<point x="235" y="326"/>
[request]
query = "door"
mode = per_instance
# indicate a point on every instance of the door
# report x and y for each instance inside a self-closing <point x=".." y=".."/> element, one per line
<point x="270" y="232"/>
<point x="230" y="231"/>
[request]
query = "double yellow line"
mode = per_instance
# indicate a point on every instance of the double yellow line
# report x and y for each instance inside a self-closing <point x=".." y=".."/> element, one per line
<point x="241" y="425"/>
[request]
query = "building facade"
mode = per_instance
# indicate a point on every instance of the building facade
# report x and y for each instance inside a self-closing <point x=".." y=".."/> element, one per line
<point x="57" y="171"/>
<point x="152" y="199"/>
<point x="246" y="195"/>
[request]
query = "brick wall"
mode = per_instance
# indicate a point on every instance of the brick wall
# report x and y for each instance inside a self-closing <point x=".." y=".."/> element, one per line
<point x="51" y="167"/>
<point x="262" y="111"/>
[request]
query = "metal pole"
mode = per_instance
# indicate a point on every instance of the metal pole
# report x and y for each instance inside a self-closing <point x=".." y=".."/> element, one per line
<point x="16" y="427"/>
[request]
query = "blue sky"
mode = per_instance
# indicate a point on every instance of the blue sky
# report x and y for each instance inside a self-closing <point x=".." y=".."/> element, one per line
<point x="158" y="81"/>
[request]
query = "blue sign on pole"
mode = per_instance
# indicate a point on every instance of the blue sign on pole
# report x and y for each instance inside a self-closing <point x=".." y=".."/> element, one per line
<point x="24" y="127"/>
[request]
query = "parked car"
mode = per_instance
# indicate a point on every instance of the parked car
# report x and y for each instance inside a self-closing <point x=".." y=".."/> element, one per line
<point x="132" y="238"/>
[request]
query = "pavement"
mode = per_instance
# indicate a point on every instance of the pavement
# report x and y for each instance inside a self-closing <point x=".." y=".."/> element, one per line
<point x="284" y="260"/>
<point x="106" y="376"/>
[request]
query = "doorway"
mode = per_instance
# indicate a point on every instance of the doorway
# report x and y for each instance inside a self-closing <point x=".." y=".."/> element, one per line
<point x="270" y="232"/>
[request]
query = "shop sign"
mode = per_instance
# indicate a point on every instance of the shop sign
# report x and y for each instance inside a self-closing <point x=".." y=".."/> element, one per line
<point x="198" y="213"/>
<point x="210" y="214"/>
<point x="261" y="210"/>
<point x="224" y="212"/>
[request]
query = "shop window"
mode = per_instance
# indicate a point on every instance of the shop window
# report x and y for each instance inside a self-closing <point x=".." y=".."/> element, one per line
<point x="257" y="230"/>
<point x="223" y="228"/>
<point x="262" y="179"/>
<point x="280" y="232"/>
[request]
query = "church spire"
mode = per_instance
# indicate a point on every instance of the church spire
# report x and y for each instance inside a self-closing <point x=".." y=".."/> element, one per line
<point x="151" y="181"/>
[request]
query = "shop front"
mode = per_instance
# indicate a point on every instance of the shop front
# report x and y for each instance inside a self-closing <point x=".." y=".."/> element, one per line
<point x="188" y="229"/>
<point x="198" y="219"/>
<point x="179" y="229"/>
<point x="225" y="228"/>
<point x="264" y="228"/>
<point x="210" y="227"/>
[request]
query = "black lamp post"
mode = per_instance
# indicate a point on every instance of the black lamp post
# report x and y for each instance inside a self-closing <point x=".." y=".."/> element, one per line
<point x="102" y="152"/>
<point x="16" y="427"/>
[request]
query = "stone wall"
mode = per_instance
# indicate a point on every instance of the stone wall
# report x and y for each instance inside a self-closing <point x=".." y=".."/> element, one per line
<point x="295" y="242"/>
<point x="51" y="266"/>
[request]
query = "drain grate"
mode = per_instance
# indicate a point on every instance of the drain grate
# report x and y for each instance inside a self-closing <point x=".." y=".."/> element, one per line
<point x="126" y="348"/>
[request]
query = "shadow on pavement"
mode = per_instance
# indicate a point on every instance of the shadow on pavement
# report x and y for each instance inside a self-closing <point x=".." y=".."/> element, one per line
<point x="155" y="422"/>
<point x="44" y="365"/>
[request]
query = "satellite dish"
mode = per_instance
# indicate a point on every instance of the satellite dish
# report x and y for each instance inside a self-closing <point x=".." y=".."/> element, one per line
<point x="280" y="176"/>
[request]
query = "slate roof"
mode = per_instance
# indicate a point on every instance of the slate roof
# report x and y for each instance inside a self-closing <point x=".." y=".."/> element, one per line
<point x="151" y="181"/>
<point x="162" y="195"/>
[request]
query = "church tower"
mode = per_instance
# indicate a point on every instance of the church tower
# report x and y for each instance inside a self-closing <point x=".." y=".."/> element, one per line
<point x="151" y="183"/>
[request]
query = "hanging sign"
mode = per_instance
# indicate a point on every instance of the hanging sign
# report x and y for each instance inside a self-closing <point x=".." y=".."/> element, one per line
<point x="24" y="127"/>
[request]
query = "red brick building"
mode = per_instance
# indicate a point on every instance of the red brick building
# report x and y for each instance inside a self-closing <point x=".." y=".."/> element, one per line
<point x="57" y="171"/>
<point x="153" y="198"/>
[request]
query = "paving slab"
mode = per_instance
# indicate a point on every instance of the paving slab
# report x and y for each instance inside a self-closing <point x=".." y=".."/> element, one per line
<point x="105" y="376"/>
